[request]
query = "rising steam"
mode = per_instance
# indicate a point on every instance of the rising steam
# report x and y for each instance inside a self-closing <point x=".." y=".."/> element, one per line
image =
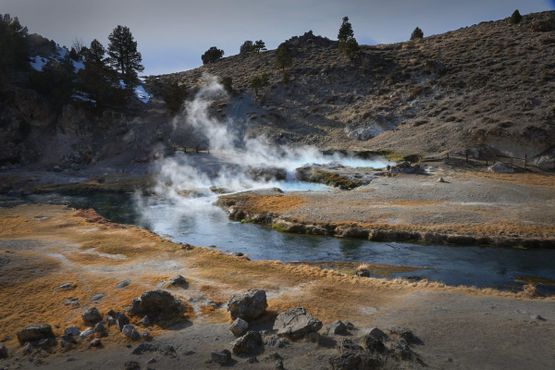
<point x="188" y="183"/>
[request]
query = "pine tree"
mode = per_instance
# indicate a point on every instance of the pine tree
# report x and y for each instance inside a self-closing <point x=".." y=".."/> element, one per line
<point x="98" y="80"/>
<point x="284" y="59"/>
<point x="347" y="42"/>
<point x="13" y="48"/>
<point x="345" y="31"/>
<point x="417" y="34"/>
<point x="123" y="55"/>
<point x="259" y="46"/>
<point x="516" y="17"/>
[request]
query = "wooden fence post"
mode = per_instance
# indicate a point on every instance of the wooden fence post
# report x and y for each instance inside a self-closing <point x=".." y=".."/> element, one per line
<point x="466" y="155"/>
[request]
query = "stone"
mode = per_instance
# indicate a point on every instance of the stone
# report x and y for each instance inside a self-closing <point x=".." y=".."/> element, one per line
<point x="86" y="333"/>
<point x="374" y="341"/>
<point x="144" y="347"/>
<point x="96" y="343"/>
<point x="275" y="341"/>
<point x="221" y="357"/>
<point x="122" y="284"/>
<point x="296" y="323"/>
<point x="91" y="316"/>
<point x="97" y="297"/>
<point x="100" y="329"/>
<point x="121" y="320"/>
<point x="177" y="281"/>
<point x="338" y="328"/>
<point x="71" y="332"/>
<point x="347" y="345"/>
<point x="132" y="365"/>
<point x="67" y="286"/>
<point x="3" y="351"/>
<point x="239" y="327"/>
<point x="147" y="336"/>
<point x="355" y="360"/>
<point x="249" y="343"/>
<point x="406" y="334"/>
<point x="363" y="273"/>
<point x="145" y="320"/>
<point x="158" y="305"/>
<point x="72" y="301"/>
<point x="442" y="180"/>
<point x="248" y="306"/>
<point x="130" y="332"/>
<point x="35" y="333"/>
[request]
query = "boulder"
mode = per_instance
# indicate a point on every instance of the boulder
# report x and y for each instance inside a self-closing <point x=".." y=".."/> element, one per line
<point x="91" y="316"/>
<point x="71" y="332"/>
<point x="3" y="351"/>
<point x="296" y="323"/>
<point x="121" y="319"/>
<point x="374" y="341"/>
<point x="158" y="305"/>
<point x="100" y="329"/>
<point x="247" y="306"/>
<point x="249" y="343"/>
<point x="221" y="357"/>
<point x="338" y="328"/>
<point x="35" y="333"/>
<point x="177" y="281"/>
<point x="239" y="327"/>
<point x="130" y="332"/>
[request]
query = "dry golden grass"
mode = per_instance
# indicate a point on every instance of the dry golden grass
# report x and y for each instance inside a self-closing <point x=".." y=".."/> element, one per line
<point x="29" y="283"/>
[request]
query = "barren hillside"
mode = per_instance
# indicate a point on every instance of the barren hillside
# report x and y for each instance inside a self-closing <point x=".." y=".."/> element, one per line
<point x="489" y="89"/>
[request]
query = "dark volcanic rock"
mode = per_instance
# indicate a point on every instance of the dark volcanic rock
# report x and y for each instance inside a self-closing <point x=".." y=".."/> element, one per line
<point x="91" y="316"/>
<point x="249" y="343"/>
<point x="248" y="306"/>
<point x="158" y="305"/>
<point x="35" y="333"/>
<point x="239" y="327"/>
<point x="3" y="351"/>
<point x="338" y="328"/>
<point x="221" y="357"/>
<point x="296" y="323"/>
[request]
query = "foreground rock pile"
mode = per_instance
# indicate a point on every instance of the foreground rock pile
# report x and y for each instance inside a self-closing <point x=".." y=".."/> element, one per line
<point x="374" y="349"/>
<point x="155" y="306"/>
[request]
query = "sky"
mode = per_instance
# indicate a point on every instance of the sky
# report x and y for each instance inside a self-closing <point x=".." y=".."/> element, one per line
<point x="172" y="34"/>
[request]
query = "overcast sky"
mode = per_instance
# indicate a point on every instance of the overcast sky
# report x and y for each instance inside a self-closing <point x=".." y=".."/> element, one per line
<point x="172" y="34"/>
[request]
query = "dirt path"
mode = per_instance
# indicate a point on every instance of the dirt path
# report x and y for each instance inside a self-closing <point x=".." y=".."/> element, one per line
<point x="42" y="247"/>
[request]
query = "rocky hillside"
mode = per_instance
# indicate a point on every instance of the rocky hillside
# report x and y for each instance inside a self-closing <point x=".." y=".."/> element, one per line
<point x="488" y="89"/>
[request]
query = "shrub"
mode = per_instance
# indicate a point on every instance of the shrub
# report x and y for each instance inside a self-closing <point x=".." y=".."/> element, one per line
<point x="227" y="83"/>
<point x="212" y="55"/>
<point x="417" y="34"/>
<point x="516" y="17"/>
<point x="174" y="95"/>
<point x="259" y="82"/>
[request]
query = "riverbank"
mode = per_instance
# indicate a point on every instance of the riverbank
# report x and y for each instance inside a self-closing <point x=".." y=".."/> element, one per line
<point x="45" y="246"/>
<point x="446" y="205"/>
